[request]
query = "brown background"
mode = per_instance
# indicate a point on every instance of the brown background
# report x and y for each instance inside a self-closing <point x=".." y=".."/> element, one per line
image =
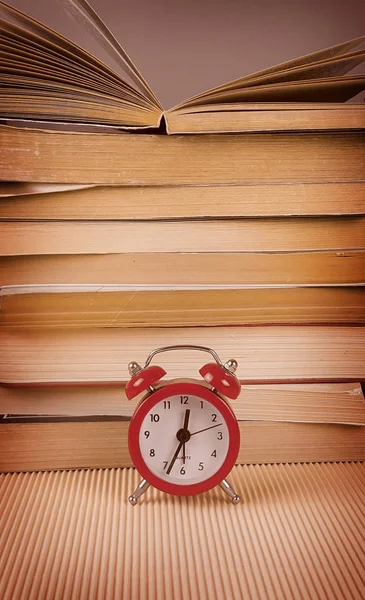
<point x="186" y="47"/>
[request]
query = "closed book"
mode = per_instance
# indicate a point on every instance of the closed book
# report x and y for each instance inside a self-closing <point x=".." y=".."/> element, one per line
<point x="309" y="424"/>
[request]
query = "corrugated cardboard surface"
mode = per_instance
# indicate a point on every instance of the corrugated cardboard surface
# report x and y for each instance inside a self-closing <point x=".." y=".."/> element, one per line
<point x="298" y="534"/>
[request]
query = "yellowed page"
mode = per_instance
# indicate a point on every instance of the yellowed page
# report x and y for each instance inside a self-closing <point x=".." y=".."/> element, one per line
<point x="260" y="235"/>
<point x="67" y="202"/>
<point x="315" y="57"/>
<point x="306" y="403"/>
<point x="60" y="157"/>
<point x="176" y="306"/>
<point x="271" y="354"/>
<point x="341" y="267"/>
<point x="334" y="67"/>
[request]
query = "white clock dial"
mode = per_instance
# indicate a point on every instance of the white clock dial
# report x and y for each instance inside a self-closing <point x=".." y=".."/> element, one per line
<point x="184" y="439"/>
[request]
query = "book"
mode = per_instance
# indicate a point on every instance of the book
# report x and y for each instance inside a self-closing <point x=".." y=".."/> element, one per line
<point x="303" y="424"/>
<point x="177" y="305"/>
<point x="150" y="159"/>
<point x="37" y="85"/>
<point x="87" y="427"/>
<point x="296" y="533"/>
<point x="341" y="403"/>
<point x="266" y="354"/>
<point x="72" y="443"/>
<point x="230" y="118"/>
<point x="321" y="267"/>
<point x="58" y="202"/>
<point x="183" y="236"/>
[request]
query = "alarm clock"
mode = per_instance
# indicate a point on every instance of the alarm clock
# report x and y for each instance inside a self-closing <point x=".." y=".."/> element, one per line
<point x="184" y="437"/>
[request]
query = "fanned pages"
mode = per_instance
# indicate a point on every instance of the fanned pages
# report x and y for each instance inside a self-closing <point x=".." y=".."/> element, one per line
<point x="45" y="76"/>
<point x="47" y="79"/>
<point x="329" y="73"/>
<point x="328" y="54"/>
<point x="83" y="12"/>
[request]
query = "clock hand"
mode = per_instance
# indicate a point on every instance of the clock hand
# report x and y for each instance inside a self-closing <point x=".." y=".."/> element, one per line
<point x="206" y="429"/>
<point x="184" y="453"/>
<point x="185" y="428"/>
<point x="168" y="471"/>
<point x="186" y="419"/>
<point x="182" y="443"/>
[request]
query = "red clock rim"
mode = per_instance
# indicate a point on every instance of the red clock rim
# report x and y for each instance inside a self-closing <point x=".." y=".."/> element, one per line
<point x="183" y="389"/>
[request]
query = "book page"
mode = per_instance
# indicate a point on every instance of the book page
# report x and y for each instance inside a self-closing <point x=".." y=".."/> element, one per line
<point x="43" y="34"/>
<point x="83" y="13"/>
<point x="48" y="78"/>
<point x="338" y="66"/>
<point x="332" y="89"/>
<point x="330" y="60"/>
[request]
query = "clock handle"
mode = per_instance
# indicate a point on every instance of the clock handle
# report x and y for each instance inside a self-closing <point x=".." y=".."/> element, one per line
<point x="220" y="376"/>
<point x="184" y="347"/>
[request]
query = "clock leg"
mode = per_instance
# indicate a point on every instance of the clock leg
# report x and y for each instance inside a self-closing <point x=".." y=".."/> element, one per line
<point x="140" y="489"/>
<point x="230" y="491"/>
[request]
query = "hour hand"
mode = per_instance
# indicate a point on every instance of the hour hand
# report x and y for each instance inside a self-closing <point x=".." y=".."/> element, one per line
<point x="186" y="419"/>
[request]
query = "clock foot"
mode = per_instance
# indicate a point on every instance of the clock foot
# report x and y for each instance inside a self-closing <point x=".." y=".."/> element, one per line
<point x="141" y="488"/>
<point x="230" y="491"/>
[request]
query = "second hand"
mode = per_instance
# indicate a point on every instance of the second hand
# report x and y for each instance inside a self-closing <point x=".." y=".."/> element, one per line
<point x="206" y="429"/>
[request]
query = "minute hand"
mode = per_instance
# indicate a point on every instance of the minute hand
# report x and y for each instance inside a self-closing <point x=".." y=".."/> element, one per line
<point x="206" y="429"/>
<point x="177" y="452"/>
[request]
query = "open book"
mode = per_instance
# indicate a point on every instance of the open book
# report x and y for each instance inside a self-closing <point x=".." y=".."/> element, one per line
<point x="47" y="78"/>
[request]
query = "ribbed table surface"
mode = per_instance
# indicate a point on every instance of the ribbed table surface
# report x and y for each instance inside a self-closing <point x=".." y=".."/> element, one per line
<point x="298" y="534"/>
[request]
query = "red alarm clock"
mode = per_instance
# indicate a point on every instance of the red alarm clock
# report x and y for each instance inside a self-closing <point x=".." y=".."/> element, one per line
<point x="184" y="438"/>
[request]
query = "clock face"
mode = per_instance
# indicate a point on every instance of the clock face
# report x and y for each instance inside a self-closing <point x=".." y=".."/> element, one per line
<point x="184" y="439"/>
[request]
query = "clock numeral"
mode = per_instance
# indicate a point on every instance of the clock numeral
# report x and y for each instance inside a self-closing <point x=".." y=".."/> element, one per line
<point x="184" y="399"/>
<point x="219" y="435"/>
<point x="214" y="418"/>
<point x="166" y="404"/>
<point x="201" y="466"/>
<point x="214" y="453"/>
<point x="146" y="434"/>
<point x="165" y="463"/>
<point x="155" y="418"/>
<point x="182" y="471"/>
<point x="152" y="452"/>
<point x="201" y="404"/>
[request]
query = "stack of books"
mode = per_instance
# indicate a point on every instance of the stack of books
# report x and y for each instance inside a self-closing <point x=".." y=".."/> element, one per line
<point x="235" y="220"/>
